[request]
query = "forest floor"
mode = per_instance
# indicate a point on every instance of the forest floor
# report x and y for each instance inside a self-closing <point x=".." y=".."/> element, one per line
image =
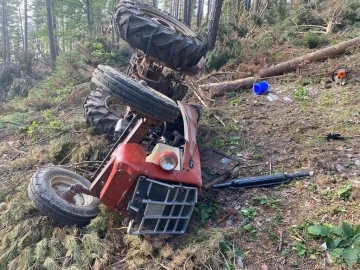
<point x="289" y="135"/>
<point x="283" y="227"/>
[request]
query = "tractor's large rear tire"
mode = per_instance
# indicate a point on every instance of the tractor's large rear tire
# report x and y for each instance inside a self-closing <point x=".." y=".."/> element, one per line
<point x="158" y="35"/>
<point x="142" y="100"/>
<point x="102" y="111"/>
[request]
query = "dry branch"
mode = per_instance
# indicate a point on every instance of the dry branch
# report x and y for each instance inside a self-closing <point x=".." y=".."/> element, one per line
<point x="314" y="56"/>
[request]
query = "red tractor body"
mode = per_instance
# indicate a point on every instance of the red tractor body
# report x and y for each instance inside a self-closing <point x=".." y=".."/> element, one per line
<point x="116" y="182"/>
<point x="128" y="163"/>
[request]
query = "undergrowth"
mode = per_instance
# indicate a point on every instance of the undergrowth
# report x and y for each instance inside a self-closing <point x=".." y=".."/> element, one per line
<point x="252" y="35"/>
<point x="341" y="243"/>
<point x="31" y="241"/>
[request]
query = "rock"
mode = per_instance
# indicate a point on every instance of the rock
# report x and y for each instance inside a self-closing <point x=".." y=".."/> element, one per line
<point x="339" y="168"/>
<point x="237" y="207"/>
<point x="357" y="162"/>
<point x="239" y="262"/>
<point x="348" y="148"/>
<point x="229" y="222"/>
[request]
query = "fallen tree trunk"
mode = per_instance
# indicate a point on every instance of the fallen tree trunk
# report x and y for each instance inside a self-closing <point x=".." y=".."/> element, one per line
<point x="314" y="56"/>
<point x="218" y="89"/>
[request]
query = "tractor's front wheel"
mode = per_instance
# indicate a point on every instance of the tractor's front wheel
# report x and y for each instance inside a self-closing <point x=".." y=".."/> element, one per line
<point x="141" y="99"/>
<point x="46" y="189"/>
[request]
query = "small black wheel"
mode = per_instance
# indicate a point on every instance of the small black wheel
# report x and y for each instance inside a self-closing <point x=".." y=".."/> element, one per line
<point x="141" y="99"/>
<point x="48" y="184"/>
<point x="158" y="35"/>
<point x="102" y="111"/>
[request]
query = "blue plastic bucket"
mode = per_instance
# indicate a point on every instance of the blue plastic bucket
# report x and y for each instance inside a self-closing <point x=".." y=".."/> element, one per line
<point x="260" y="88"/>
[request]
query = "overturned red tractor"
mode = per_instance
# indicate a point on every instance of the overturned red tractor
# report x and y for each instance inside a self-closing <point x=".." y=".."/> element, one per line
<point x="152" y="174"/>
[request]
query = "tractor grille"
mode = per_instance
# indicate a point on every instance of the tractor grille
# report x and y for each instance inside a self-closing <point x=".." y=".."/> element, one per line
<point x="160" y="208"/>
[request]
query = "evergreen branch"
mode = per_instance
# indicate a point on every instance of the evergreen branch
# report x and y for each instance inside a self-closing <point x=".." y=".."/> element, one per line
<point x="50" y="264"/>
<point x="92" y="244"/>
<point x="41" y="249"/>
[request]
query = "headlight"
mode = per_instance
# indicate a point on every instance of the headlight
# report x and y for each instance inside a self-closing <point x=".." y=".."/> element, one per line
<point x="168" y="160"/>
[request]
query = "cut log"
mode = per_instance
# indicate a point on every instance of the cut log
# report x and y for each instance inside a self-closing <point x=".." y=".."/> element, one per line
<point x="314" y="56"/>
<point x="218" y="89"/>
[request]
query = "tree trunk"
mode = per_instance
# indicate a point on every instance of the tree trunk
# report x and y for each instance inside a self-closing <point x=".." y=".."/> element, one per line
<point x="88" y="16"/>
<point x="54" y="25"/>
<point x="209" y="2"/>
<point x="50" y="33"/>
<point x="314" y="56"/>
<point x="186" y="7"/>
<point x="247" y="5"/>
<point x="7" y="38"/>
<point x="200" y="12"/>
<point x="3" y="31"/>
<point x="165" y="7"/>
<point x="218" y="89"/>
<point x="187" y="12"/>
<point x="268" y="4"/>
<point x="238" y="6"/>
<point x="21" y="28"/>
<point x="171" y="8"/>
<point x="26" y="46"/>
<point x="176" y="9"/>
<point x="213" y="23"/>
<point x="181" y="10"/>
<point x="257" y="5"/>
